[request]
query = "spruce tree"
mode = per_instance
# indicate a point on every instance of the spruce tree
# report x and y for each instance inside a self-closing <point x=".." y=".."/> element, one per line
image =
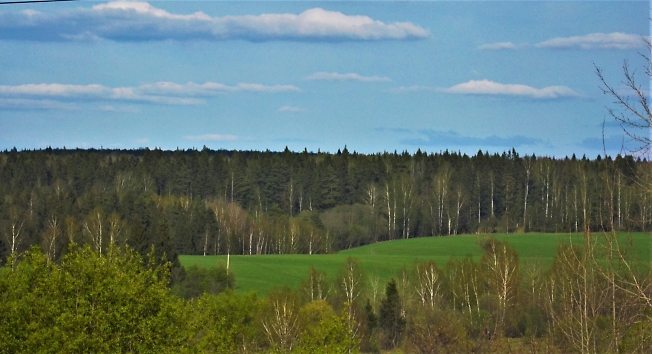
<point x="391" y="318"/>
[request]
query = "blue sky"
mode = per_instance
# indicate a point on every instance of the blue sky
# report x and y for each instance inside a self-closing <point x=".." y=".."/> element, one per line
<point x="374" y="76"/>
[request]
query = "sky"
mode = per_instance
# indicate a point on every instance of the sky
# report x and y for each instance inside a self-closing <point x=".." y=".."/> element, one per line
<point x="373" y="76"/>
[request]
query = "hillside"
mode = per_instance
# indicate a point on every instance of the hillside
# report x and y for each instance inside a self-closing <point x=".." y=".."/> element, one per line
<point x="386" y="259"/>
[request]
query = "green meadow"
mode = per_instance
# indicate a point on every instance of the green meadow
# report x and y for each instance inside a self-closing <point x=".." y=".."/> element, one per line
<point x="385" y="260"/>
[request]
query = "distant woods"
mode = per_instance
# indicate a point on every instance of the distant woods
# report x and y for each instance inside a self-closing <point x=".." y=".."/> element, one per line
<point x="249" y="202"/>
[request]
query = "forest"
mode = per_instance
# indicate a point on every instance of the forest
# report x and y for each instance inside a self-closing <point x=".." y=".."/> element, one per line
<point x="248" y="202"/>
<point x="91" y="238"/>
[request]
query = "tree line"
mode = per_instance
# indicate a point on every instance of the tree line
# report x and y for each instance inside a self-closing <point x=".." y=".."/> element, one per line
<point x="250" y="202"/>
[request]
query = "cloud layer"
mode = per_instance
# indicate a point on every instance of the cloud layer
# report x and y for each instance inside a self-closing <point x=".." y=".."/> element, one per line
<point x="451" y="139"/>
<point x="345" y="77"/>
<point x="140" y="21"/>
<point x="169" y="93"/>
<point x="615" y="40"/>
<point x="486" y="87"/>
<point x="499" y="46"/>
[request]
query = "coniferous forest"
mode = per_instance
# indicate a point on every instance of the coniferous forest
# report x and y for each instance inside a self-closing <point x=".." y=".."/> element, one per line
<point x="91" y="240"/>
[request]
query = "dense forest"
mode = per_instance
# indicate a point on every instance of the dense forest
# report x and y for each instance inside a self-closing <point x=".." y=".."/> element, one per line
<point x="248" y="202"/>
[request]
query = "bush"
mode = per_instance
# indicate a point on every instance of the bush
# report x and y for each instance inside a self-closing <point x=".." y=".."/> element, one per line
<point x="199" y="281"/>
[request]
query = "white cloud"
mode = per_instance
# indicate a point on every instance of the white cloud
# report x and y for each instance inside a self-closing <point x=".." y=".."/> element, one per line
<point x="499" y="46"/>
<point x="138" y="21"/>
<point x="119" y="109"/>
<point x="414" y="88"/>
<point x="615" y="40"/>
<point x="211" y="137"/>
<point x="55" y="90"/>
<point x="210" y="88"/>
<point x="345" y="77"/>
<point x="34" y="104"/>
<point x="142" y="141"/>
<point x="167" y="93"/>
<point x="91" y="92"/>
<point x="486" y="87"/>
<point x="291" y="109"/>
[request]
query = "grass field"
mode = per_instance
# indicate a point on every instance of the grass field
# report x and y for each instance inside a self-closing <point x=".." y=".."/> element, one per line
<point x="385" y="260"/>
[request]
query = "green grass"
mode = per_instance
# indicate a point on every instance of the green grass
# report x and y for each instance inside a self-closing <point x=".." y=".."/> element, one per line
<point x="385" y="260"/>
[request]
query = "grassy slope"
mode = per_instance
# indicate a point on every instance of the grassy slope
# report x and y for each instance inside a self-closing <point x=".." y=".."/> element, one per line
<point x="262" y="273"/>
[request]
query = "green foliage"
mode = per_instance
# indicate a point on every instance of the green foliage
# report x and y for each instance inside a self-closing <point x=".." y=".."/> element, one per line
<point x="313" y="313"/>
<point x="226" y="323"/>
<point x="327" y="333"/>
<point x="198" y="281"/>
<point x="90" y="303"/>
<point x="638" y="338"/>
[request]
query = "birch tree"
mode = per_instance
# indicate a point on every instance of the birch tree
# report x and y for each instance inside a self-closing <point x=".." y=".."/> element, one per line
<point x="464" y="284"/>
<point x="94" y="229"/>
<point x="460" y="197"/>
<point x="218" y="207"/>
<point x="14" y="230"/>
<point x="407" y="201"/>
<point x="116" y="226"/>
<point x="574" y="296"/>
<point x="50" y="237"/>
<point x="281" y="320"/>
<point x="351" y="285"/>
<point x="372" y="199"/>
<point x="502" y="275"/>
<point x="527" y="164"/>
<point x="71" y="229"/>
<point x="439" y="198"/>
<point x="390" y="202"/>
<point x="543" y="170"/>
<point x="315" y="287"/>
<point x="429" y="282"/>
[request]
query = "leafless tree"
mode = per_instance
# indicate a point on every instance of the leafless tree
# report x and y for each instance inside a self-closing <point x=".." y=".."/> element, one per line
<point x="429" y="284"/>
<point x="502" y="274"/>
<point x="634" y="115"/>
<point x="281" y="323"/>
<point x="351" y="285"/>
